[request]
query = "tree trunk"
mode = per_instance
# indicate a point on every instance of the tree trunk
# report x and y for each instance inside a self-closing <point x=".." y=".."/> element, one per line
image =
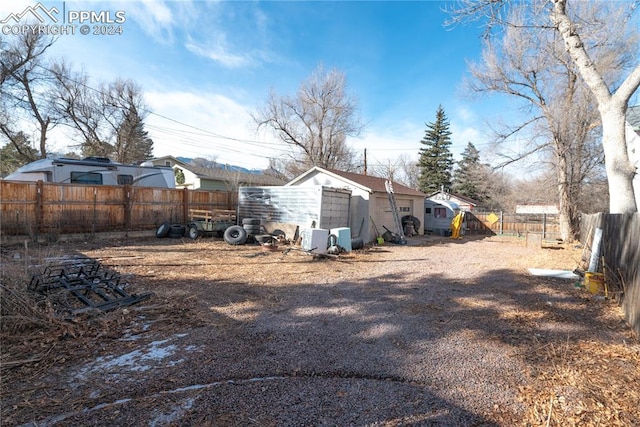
<point x="569" y="227"/>
<point x="565" y="216"/>
<point x="620" y="171"/>
<point x="612" y="107"/>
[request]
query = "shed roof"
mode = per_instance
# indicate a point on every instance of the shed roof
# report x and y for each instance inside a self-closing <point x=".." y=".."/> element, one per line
<point x="373" y="184"/>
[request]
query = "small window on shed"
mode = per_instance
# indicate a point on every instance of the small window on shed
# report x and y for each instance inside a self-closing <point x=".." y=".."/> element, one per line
<point x="440" y="212"/>
<point x="86" y="178"/>
<point x="427" y="210"/>
<point x="125" y="179"/>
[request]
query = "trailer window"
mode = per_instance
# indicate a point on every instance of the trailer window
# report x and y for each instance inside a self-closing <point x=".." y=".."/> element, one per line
<point x="86" y="178"/>
<point x="125" y="179"/>
<point x="440" y="212"/>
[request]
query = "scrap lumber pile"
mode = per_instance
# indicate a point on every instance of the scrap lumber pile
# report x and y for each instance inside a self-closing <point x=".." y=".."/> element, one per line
<point x="83" y="285"/>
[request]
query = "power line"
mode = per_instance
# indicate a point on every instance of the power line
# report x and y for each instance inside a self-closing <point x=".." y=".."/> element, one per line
<point x="184" y="135"/>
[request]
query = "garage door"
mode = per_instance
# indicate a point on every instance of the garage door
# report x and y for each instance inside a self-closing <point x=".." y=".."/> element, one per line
<point x="383" y="214"/>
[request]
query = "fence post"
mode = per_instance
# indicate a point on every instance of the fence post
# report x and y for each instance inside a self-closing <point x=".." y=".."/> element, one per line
<point x="39" y="209"/>
<point x="185" y="205"/>
<point x="127" y="207"/>
<point x="95" y="210"/>
<point x="501" y="222"/>
<point x="544" y="225"/>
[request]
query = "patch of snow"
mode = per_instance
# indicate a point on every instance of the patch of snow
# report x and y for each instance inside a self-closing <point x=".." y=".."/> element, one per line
<point x="173" y="417"/>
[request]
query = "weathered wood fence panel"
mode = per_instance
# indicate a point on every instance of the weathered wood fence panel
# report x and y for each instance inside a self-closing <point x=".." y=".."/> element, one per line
<point x="513" y="224"/>
<point x="620" y="250"/>
<point x="36" y="208"/>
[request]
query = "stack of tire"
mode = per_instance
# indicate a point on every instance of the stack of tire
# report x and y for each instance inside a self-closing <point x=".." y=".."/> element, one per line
<point x="252" y="226"/>
<point x="173" y="231"/>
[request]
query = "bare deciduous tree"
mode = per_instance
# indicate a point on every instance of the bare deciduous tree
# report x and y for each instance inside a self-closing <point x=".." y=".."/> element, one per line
<point x="315" y="122"/>
<point x="531" y="64"/>
<point x="25" y="106"/>
<point x="402" y="169"/>
<point x="611" y="94"/>
<point x="76" y="101"/>
<point x="109" y="120"/>
<point x="24" y="49"/>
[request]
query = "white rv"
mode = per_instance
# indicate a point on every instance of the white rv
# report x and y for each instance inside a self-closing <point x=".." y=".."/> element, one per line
<point x="438" y="215"/>
<point x="94" y="171"/>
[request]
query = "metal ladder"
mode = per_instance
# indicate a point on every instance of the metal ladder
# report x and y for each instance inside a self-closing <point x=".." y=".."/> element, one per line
<point x="394" y="210"/>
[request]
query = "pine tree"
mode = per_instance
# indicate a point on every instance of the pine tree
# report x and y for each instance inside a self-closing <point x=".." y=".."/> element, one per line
<point x="17" y="152"/>
<point x="468" y="177"/>
<point x="436" y="160"/>
<point x="133" y="144"/>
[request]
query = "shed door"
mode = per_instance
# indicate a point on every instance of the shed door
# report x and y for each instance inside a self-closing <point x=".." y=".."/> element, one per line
<point x="334" y="211"/>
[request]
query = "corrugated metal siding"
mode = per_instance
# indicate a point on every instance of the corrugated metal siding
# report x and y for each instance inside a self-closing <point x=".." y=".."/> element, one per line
<point x="299" y="205"/>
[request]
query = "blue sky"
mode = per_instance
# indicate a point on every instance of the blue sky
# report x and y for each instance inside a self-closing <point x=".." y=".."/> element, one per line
<point x="205" y="66"/>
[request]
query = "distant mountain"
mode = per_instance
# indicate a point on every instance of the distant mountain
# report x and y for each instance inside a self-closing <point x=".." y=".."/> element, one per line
<point x="211" y="164"/>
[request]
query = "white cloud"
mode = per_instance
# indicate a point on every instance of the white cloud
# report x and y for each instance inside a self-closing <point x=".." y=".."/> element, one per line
<point x="462" y="135"/>
<point x="219" y="52"/>
<point x="465" y="113"/>
<point x="206" y="125"/>
<point x="386" y="144"/>
<point x="154" y="17"/>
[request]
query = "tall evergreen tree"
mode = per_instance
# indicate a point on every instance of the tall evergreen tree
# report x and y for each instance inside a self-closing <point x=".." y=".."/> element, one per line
<point x="469" y="177"/>
<point x="436" y="160"/>
<point x="18" y="152"/>
<point x="133" y="144"/>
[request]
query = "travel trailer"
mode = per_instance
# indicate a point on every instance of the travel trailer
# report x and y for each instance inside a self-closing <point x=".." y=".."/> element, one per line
<point x="94" y="171"/>
<point x="438" y="215"/>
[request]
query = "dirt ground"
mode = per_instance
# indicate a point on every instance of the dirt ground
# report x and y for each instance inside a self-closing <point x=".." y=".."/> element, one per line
<point x="436" y="332"/>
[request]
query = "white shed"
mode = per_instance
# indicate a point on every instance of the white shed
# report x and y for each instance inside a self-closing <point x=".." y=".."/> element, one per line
<point x="307" y="207"/>
<point x="369" y="200"/>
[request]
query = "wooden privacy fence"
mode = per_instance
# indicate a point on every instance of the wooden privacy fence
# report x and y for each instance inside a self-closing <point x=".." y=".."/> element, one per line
<point x="546" y="225"/>
<point x="37" y="208"/>
<point x="620" y="250"/>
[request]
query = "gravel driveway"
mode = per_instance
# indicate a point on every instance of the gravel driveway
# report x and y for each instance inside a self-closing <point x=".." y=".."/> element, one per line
<point x="433" y="333"/>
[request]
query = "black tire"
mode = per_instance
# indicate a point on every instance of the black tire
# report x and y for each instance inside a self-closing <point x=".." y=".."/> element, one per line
<point x="277" y="232"/>
<point x="252" y="229"/>
<point x="357" y="243"/>
<point x="411" y="218"/>
<point x="250" y="221"/>
<point x="235" y="235"/>
<point x="193" y="232"/>
<point x="264" y="238"/>
<point x="163" y="230"/>
<point x="177" y="231"/>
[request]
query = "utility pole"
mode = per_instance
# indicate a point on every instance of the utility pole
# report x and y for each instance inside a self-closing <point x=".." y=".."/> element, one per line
<point x="365" y="161"/>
